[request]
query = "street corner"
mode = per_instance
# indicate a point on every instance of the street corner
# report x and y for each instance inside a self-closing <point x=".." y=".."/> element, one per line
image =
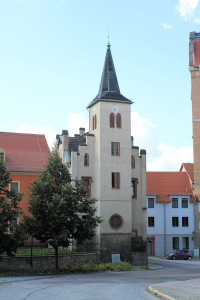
<point x="152" y="289"/>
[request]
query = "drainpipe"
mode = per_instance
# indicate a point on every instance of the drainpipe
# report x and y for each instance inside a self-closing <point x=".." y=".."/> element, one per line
<point x="165" y="229"/>
<point x="194" y="231"/>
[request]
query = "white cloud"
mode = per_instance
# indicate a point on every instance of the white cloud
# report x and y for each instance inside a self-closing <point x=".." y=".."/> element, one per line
<point x="170" y="158"/>
<point x="144" y="133"/>
<point x="166" y="26"/>
<point x="186" y="8"/>
<point x="160" y="156"/>
<point x="47" y="130"/>
<point x="75" y="121"/>
<point x="197" y="20"/>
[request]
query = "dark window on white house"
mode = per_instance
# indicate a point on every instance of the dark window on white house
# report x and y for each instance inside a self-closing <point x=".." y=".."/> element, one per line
<point x="184" y="202"/>
<point x="175" y="242"/>
<point x="150" y="202"/>
<point x="175" y="221"/>
<point x="151" y="221"/>
<point x="185" y="242"/>
<point x="174" y="202"/>
<point x="185" y="221"/>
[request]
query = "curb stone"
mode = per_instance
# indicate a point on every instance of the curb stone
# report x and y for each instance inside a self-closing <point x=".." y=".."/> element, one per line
<point x="155" y="292"/>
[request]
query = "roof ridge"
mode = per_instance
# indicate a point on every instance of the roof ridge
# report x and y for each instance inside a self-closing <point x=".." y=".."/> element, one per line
<point x="23" y="133"/>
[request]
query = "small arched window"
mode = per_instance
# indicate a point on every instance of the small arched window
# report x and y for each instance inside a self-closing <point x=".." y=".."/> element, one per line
<point x="95" y="122"/>
<point x="86" y="160"/>
<point x="132" y="162"/>
<point x="112" y="120"/>
<point x="118" y="121"/>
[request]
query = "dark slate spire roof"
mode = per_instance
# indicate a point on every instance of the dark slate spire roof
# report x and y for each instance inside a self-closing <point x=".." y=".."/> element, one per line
<point x="109" y="89"/>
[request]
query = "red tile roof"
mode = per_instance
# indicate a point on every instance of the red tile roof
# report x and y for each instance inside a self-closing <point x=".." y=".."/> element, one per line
<point x="164" y="184"/>
<point x="189" y="168"/>
<point x="197" y="52"/>
<point x="24" y="152"/>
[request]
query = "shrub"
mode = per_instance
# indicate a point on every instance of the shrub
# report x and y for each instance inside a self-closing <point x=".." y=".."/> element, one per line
<point x="66" y="269"/>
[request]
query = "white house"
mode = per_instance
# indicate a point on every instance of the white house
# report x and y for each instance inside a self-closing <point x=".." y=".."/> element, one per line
<point x="170" y="211"/>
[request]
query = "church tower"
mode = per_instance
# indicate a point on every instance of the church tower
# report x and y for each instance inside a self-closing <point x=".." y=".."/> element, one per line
<point x="194" y="68"/>
<point x="106" y="161"/>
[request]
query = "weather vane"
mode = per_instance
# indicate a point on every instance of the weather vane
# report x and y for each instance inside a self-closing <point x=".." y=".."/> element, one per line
<point x="108" y="39"/>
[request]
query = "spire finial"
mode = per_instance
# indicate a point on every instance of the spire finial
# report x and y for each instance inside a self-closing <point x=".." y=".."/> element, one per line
<point x="108" y="45"/>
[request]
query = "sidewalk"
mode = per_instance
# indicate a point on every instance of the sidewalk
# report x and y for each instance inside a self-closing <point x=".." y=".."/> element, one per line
<point x="177" y="290"/>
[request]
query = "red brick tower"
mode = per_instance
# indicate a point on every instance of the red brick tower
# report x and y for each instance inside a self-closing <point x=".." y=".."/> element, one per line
<point x="194" y="67"/>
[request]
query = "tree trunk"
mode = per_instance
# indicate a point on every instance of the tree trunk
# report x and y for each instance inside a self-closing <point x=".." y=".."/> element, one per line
<point x="56" y="257"/>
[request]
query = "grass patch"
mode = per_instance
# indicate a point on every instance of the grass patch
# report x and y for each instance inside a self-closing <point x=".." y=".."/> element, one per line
<point x="144" y="268"/>
<point x="6" y="270"/>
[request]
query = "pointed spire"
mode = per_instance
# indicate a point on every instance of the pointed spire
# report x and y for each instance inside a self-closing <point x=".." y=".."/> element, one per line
<point x="109" y="81"/>
<point x="109" y="87"/>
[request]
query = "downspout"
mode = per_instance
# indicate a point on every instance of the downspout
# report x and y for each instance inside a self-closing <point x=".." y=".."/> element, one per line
<point x="165" y="229"/>
<point x="194" y="231"/>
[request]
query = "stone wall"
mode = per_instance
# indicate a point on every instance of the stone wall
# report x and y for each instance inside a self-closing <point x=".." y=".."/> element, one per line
<point x="115" y="244"/>
<point x="49" y="260"/>
<point x="139" y="259"/>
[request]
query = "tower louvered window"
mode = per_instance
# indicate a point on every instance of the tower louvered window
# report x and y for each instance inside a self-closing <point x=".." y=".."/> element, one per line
<point x="118" y="121"/>
<point x="112" y="120"/>
<point x="95" y="122"/>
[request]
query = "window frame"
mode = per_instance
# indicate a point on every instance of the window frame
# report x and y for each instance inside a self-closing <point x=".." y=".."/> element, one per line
<point x="175" y="242"/>
<point x="175" y="221"/>
<point x="86" y="160"/>
<point x="114" y="147"/>
<point x="132" y="162"/>
<point x="92" y="122"/>
<point x="14" y="181"/>
<point x="112" y="122"/>
<point x="150" y="200"/>
<point x="151" y="221"/>
<point x="95" y="121"/>
<point x="87" y="186"/>
<point x="183" y="201"/>
<point x="186" y="242"/>
<point x="115" y="180"/>
<point x="118" y="121"/>
<point x="2" y="156"/>
<point x="135" y="181"/>
<point x="185" y="221"/>
<point x="174" y="202"/>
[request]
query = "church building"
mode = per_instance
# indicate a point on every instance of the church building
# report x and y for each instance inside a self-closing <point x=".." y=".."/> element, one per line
<point x="114" y="170"/>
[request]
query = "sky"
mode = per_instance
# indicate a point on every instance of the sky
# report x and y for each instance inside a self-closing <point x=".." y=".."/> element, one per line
<point x="51" y="60"/>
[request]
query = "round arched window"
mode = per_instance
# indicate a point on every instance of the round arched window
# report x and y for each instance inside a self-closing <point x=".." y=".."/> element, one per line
<point x="116" y="221"/>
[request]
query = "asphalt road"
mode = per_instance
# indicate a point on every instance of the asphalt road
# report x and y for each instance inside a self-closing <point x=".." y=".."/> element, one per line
<point x="98" y="286"/>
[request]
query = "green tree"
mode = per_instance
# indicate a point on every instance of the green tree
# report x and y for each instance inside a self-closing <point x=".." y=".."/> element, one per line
<point x="60" y="209"/>
<point x="9" y="213"/>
